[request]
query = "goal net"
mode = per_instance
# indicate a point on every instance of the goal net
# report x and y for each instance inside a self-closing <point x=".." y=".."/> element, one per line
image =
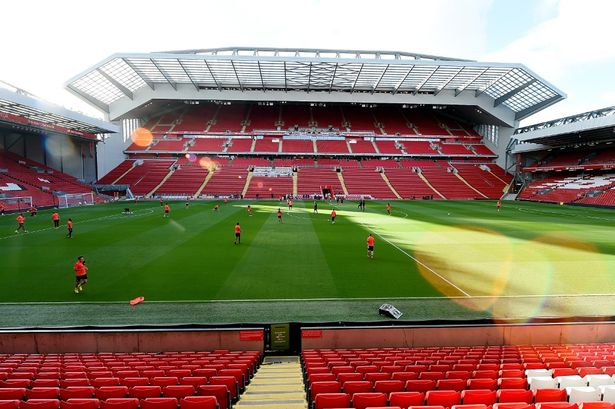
<point x="75" y="199"/>
<point x="16" y="203"/>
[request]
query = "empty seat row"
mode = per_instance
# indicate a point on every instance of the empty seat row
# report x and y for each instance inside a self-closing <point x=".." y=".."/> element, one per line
<point x="191" y="402"/>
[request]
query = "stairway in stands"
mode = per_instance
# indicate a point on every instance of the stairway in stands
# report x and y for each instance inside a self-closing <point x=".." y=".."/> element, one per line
<point x="277" y="384"/>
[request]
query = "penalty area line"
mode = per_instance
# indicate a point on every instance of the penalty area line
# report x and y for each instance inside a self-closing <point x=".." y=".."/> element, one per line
<point x="446" y="280"/>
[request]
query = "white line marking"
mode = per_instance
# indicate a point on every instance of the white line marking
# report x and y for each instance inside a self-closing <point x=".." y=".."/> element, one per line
<point x="108" y="217"/>
<point x="424" y="265"/>
<point x="309" y="299"/>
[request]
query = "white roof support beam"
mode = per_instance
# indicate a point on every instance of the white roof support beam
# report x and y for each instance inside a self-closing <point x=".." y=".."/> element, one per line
<point x="115" y="83"/>
<point x="448" y="82"/>
<point x="164" y="74"/>
<point x="354" y="84"/>
<point x="541" y="105"/>
<point x="333" y="77"/>
<point x="101" y="105"/>
<point x="418" y="87"/>
<point x="477" y="76"/>
<point x="212" y="75"/>
<point x="188" y="75"/>
<point x="236" y="75"/>
<point x="512" y="93"/>
<point x="129" y="63"/>
<point x="479" y="92"/>
<point x="380" y="78"/>
<point x="260" y="73"/>
<point x="399" y="84"/>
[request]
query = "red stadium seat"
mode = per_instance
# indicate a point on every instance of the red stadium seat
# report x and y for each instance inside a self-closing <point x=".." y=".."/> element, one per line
<point x="158" y="403"/>
<point x="550" y="395"/>
<point x="135" y="381"/>
<point x="229" y="381"/>
<point x="147" y="391"/>
<point x="120" y="403"/>
<point x="596" y="405"/>
<point x="9" y="403"/>
<point x="471" y="406"/>
<point x="106" y="392"/>
<point x="77" y="392"/>
<point x="352" y="387"/>
<point x="515" y="395"/>
<point x="80" y="403"/>
<point x="12" y="393"/>
<point x="43" y="393"/>
<point x="451" y="384"/>
<point x="164" y="380"/>
<point x="331" y="400"/>
<point x="478" y="396"/>
<point x="201" y="402"/>
<point x="513" y="405"/>
<point x="405" y="399"/>
<point x="442" y="398"/>
<point x="404" y="376"/>
<point x="221" y="393"/>
<point x="108" y="381"/>
<point x="65" y="383"/>
<point x="389" y="386"/>
<point x="483" y="383"/>
<point x="178" y="391"/>
<point x="15" y="383"/>
<point x="40" y="404"/>
<point x="343" y="377"/>
<point x="364" y="400"/>
<point x="193" y="380"/>
<point x="420" y="385"/>
<point x="323" y="387"/>
<point x="45" y="383"/>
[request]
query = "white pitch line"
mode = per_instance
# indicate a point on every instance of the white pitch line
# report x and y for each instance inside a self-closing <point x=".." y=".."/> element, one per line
<point x="110" y="216"/>
<point x="308" y="299"/>
<point x="425" y="265"/>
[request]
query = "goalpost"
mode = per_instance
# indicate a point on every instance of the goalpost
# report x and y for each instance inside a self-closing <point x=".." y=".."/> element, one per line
<point x="75" y="199"/>
<point x="17" y="203"/>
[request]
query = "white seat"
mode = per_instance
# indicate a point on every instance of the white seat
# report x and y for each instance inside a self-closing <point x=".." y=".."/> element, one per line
<point x="542" y="382"/>
<point x="597" y="380"/>
<point x="608" y="393"/>
<point x="583" y="394"/>
<point x="570" y="381"/>
<point x="530" y="373"/>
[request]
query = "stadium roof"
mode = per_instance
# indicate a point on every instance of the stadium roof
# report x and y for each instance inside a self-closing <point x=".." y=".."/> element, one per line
<point x="587" y="128"/>
<point x="21" y="108"/>
<point x="122" y="76"/>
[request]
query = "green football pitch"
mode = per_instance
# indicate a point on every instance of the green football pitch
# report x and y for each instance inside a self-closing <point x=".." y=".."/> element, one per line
<point x="440" y="259"/>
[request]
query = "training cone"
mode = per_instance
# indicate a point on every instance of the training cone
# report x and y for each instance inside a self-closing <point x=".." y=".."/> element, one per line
<point x="137" y="300"/>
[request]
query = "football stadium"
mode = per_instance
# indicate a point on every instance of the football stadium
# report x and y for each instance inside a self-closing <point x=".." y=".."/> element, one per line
<point x="305" y="228"/>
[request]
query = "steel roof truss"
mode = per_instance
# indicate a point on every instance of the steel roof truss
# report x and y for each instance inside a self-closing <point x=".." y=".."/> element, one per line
<point x="164" y="74"/>
<point x="188" y="75"/>
<point x="116" y="84"/>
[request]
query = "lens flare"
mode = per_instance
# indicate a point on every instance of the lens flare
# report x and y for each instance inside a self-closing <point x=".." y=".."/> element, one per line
<point x="142" y="137"/>
<point x="60" y="147"/>
<point x="191" y="157"/>
<point x="208" y="163"/>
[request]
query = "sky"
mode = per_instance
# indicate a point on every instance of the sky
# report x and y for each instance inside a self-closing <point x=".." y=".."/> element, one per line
<point x="566" y="42"/>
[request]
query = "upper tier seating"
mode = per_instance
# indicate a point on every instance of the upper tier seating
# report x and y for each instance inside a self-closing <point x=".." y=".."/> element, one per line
<point x="367" y="182"/>
<point x="195" y="119"/>
<point x="228" y="118"/>
<point x="408" y="184"/>
<point x="361" y="146"/>
<point x="448" y="184"/>
<point x="184" y="181"/>
<point x="296" y="146"/>
<point x="329" y="116"/>
<point x="419" y="148"/>
<point x="207" y="145"/>
<point x="263" y="117"/>
<point x="171" y="144"/>
<point x="268" y="145"/>
<point x="335" y="147"/>
<point x="310" y="180"/>
<point x="482" y="180"/>
<point x="226" y="181"/>
<point x="359" y="119"/>
<point x="240" y="145"/>
<point x="146" y="176"/>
